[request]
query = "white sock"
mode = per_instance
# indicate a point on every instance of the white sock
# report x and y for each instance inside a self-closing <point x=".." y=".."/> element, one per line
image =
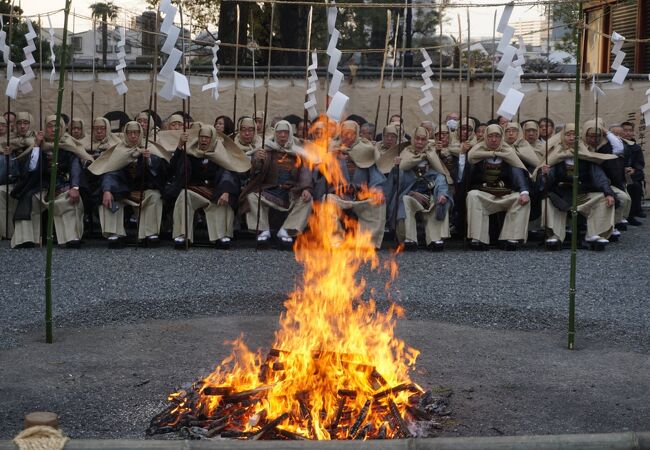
<point x="264" y="235"/>
<point x="282" y="233"/>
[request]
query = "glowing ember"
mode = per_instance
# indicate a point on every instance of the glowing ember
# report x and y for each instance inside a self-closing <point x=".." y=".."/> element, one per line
<point x="336" y="369"/>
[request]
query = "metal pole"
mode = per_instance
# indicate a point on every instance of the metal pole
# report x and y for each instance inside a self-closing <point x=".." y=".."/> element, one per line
<point x="55" y="155"/>
<point x="574" y="207"/>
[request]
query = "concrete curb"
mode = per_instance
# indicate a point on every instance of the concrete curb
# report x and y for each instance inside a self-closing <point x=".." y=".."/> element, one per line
<point x="609" y="441"/>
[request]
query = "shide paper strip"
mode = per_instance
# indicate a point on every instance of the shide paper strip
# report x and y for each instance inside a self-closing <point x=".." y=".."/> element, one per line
<point x="339" y="100"/>
<point x="176" y="84"/>
<point x="511" y="62"/>
<point x="310" y="104"/>
<point x="215" y="71"/>
<point x="621" y="71"/>
<point x="426" y="103"/>
<point x="120" y="80"/>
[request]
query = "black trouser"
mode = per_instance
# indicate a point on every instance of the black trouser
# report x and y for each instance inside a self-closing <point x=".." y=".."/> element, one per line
<point x="635" y="190"/>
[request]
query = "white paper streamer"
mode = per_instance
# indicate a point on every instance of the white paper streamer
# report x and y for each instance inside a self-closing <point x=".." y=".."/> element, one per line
<point x="23" y="83"/>
<point x="120" y="80"/>
<point x="310" y="104"/>
<point x="215" y="71"/>
<point x="50" y="30"/>
<point x="597" y="91"/>
<point x="176" y="84"/>
<point x="621" y="71"/>
<point x="426" y="103"/>
<point x="335" y="111"/>
<point x="6" y="53"/>
<point x="511" y="63"/>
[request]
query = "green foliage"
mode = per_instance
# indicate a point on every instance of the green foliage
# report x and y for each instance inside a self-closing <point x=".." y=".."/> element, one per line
<point x="566" y="13"/>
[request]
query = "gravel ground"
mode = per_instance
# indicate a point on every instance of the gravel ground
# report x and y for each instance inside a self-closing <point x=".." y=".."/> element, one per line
<point x="524" y="290"/>
<point x="133" y="324"/>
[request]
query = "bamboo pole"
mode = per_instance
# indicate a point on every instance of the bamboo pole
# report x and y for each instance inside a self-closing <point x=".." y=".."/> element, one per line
<point x="55" y="154"/>
<point x="574" y="206"/>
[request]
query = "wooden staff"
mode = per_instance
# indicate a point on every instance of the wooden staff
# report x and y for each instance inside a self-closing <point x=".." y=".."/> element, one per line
<point x="234" y="101"/>
<point x="392" y="70"/>
<point x="460" y="81"/>
<point x="305" y="116"/>
<point x="548" y="70"/>
<point x="469" y="74"/>
<point x="92" y="95"/>
<point x="400" y="127"/>
<point x="494" y="47"/>
<point x="266" y="109"/>
<point x="42" y="126"/>
<point x="74" y="16"/>
<point x="253" y="46"/>
<point x="440" y="73"/>
<point x="55" y="154"/>
<point x="383" y="67"/>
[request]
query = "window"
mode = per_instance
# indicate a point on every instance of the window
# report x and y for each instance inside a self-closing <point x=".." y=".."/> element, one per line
<point x="76" y="42"/>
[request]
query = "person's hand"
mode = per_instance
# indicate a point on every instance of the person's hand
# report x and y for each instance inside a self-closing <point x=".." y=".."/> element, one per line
<point x="465" y="147"/>
<point x="397" y="160"/>
<point x="546" y="169"/>
<point x="146" y="153"/>
<point x="260" y="155"/>
<point x="609" y="200"/>
<point x="524" y="199"/>
<point x="183" y="139"/>
<point x="439" y="145"/>
<point x="442" y="200"/>
<point x="107" y="200"/>
<point x="223" y="199"/>
<point x="73" y="196"/>
<point x="39" y="139"/>
<point x="305" y="196"/>
<point x="630" y="170"/>
<point x="6" y="150"/>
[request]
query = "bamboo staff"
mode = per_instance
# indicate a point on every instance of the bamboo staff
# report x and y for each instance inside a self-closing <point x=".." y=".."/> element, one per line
<point x="42" y="125"/>
<point x="305" y="117"/>
<point x="92" y="94"/>
<point x="266" y="106"/>
<point x="55" y="153"/>
<point x="392" y="69"/>
<point x="124" y="95"/>
<point x="383" y="67"/>
<point x="185" y="160"/>
<point x="7" y="159"/>
<point x="234" y="101"/>
<point x="574" y="206"/>
<point x="494" y="49"/>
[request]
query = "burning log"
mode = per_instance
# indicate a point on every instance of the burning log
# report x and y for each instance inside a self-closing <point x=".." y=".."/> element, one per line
<point x="395" y="390"/>
<point x="216" y="390"/>
<point x="360" y="419"/>
<point x="270" y="426"/>
<point x="337" y="418"/>
<point x="401" y="426"/>
<point x="240" y="397"/>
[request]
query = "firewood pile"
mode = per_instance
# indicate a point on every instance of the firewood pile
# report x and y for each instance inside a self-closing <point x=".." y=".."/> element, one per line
<point x="374" y="410"/>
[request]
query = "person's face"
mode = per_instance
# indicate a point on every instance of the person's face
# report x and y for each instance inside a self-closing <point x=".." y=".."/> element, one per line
<point x="300" y="129"/>
<point x="493" y="140"/>
<point x="443" y="138"/>
<point x="502" y="121"/>
<point x="464" y="132"/>
<point x="419" y="142"/>
<point x="49" y="131"/>
<point x="628" y="132"/>
<point x="452" y="116"/>
<point x="396" y="119"/>
<point x="176" y="125"/>
<point x="546" y="129"/>
<point x="281" y="137"/>
<point x="348" y="136"/>
<point x="531" y="135"/>
<point x="22" y="127"/>
<point x="593" y="137"/>
<point x="247" y="134"/>
<point x="99" y="132"/>
<point x="618" y="131"/>
<point x="366" y="133"/>
<point x="144" y="123"/>
<point x="76" y="131"/>
<point x="10" y="118"/>
<point x="219" y="125"/>
<point x="204" y="142"/>
<point x="3" y="129"/>
<point x="260" y="124"/>
<point x="480" y="131"/>
<point x="570" y="138"/>
<point x="511" y="135"/>
<point x="132" y="137"/>
<point x="390" y="139"/>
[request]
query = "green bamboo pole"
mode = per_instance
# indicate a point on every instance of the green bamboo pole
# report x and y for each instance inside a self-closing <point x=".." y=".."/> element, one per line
<point x="55" y="155"/>
<point x="574" y="207"/>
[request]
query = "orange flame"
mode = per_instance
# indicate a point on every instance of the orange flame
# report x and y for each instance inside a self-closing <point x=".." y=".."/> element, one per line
<point x="332" y="348"/>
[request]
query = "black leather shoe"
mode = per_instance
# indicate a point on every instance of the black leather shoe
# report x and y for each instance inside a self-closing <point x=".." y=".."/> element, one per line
<point x="622" y="226"/>
<point x="410" y="246"/>
<point x="632" y="221"/>
<point x="641" y="215"/>
<point x="511" y="246"/>
<point x="75" y="243"/>
<point x="436" y="247"/>
<point x="153" y="241"/>
<point x="26" y="245"/>
<point x="221" y="245"/>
